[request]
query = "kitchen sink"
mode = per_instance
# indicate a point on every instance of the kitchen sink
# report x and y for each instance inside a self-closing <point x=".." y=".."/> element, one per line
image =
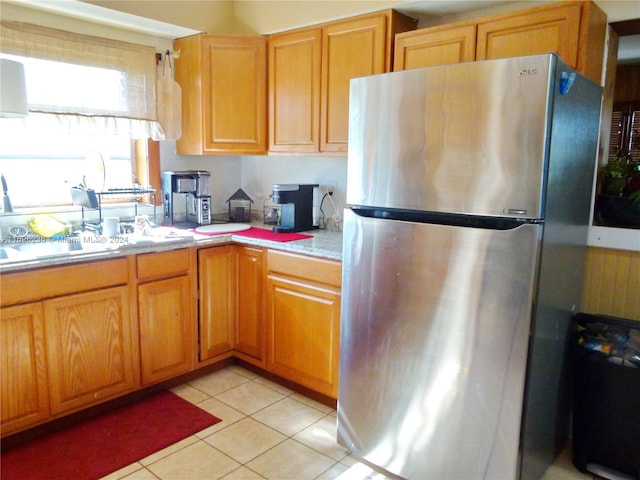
<point x="18" y="251"/>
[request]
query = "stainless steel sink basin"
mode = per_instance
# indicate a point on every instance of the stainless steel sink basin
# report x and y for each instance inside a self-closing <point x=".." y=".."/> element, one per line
<point x="18" y="251"/>
<point x="41" y="249"/>
<point x="9" y="253"/>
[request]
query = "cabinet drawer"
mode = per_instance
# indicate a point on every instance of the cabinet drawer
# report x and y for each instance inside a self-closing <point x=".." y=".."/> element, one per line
<point x="328" y="272"/>
<point x="21" y="287"/>
<point x="152" y="266"/>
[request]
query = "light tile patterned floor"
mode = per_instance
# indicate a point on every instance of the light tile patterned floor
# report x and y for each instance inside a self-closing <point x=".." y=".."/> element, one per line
<point x="267" y="432"/>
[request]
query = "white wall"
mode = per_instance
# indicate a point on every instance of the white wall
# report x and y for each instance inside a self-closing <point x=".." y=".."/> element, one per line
<point x="257" y="174"/>
<point x="260" y="173"/>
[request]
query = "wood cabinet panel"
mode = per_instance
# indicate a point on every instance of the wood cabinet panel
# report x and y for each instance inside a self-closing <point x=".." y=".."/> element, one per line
<point x="235" y="94"/>
<point x="350" y="49"/>
<point x="249" y="339"/>
<point x="163" y="264"/>
<point x="531" y="32"/>
<point x="166" y="342"/>
<point x="294" y="91"/>
<point x="309" y="75"/>
<point x="90" y="348"/>
<point x="33" y="285"/>
<point x="217" y="300"/>
<point x="304" y="333"/>
<point x="435" y="46"/>
<point x="224" y="106"/>
<point x="612" y="283"/>
<point x="574" y="30"/>
<point x="311" y="269"/>
<point x="23" y="381"/>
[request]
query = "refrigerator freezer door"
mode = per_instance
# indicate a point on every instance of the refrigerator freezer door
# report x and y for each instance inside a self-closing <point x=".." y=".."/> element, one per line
<point x="430" y="139"/>
<point x="435" y="324"/>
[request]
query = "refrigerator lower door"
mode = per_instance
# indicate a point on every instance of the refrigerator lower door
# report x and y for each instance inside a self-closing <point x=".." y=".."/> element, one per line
<point x="434" y="334"/>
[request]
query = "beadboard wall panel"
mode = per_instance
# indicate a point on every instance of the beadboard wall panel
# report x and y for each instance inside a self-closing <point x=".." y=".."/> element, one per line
<point x="612" y="283"/>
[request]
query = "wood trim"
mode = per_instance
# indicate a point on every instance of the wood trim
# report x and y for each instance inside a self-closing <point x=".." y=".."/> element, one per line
<point x="626" y="27"/>
<point x="147" y="162"/>
<point x="591" y="41"/>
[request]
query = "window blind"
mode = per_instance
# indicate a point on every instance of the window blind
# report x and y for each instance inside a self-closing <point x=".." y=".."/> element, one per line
<point x="106" y="77"/>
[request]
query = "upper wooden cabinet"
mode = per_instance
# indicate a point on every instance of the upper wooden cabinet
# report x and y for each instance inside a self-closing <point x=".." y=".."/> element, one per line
<point x="294" y="92"/>
<point x="574" y="30"/>
<point x="428" y="47"/>
<point x="309" y="74"/>
<point x="224" y="107"/>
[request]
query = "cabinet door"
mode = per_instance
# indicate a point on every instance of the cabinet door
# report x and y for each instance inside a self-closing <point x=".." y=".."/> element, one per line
<point x="249" y="330"/>
<point x="166" y="340"/>
<point x="435" y="46"/>
<point x="294" y="92"/>
<point x="224" y="105"/>
<point x="217" y="300"/>
<point x="350" y="49"/>
<point x="23" y="383"/>
<point x="303" y="332"/>
<point x="90" y="348"/>
<point x="538" y="31"/>
<point x="235" y="94"/>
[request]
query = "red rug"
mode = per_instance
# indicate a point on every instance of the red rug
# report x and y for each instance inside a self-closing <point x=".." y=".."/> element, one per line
<point x="96" y="447"/>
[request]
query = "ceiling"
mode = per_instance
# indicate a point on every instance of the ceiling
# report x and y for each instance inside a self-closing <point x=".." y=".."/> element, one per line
<point x="151" y="20"/>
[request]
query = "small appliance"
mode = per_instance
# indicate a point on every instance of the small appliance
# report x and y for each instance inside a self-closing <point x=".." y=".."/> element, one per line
<point x="186" y="197"/>
<point x="297" y="212"/>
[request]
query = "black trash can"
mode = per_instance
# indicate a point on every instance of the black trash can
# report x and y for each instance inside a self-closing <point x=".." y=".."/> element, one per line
<point x="606" y="396"/>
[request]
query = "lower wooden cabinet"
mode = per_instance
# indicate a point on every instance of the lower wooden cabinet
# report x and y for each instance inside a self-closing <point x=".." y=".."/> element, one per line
<point x="303" y="320"/>
<point x="24" y="386"/>
<point x="249" y="335"/>
<point x="216" y="300"/>
<point x="62" y="351"/>
<point x="166" y="343"/>
<point x="90" y="348"/>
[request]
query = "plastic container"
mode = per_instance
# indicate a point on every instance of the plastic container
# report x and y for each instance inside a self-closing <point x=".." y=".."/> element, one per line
<point x="606" y="397"/>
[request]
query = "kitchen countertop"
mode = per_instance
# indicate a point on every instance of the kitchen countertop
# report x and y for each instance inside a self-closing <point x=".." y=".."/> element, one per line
<point x="323" y="244"/>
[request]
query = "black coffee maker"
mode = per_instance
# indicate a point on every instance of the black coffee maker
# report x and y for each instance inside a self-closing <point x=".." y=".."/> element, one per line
<point x="297" y="212"/>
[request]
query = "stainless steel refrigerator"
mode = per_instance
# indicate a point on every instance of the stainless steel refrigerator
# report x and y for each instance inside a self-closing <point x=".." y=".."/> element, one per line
<point x="468" y="198"/>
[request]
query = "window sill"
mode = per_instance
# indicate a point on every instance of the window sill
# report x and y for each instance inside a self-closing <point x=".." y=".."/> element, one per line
<point x="616" y="238"/>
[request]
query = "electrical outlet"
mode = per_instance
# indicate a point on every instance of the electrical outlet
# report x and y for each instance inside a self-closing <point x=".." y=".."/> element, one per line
<point x="330" y="187"/>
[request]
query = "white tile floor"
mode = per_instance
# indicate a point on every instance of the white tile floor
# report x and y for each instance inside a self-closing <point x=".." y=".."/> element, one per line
<point x="267" y="432"/>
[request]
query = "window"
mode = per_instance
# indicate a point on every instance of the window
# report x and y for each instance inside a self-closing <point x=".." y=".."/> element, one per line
<point x="89" y="98"/>
<point x="625" y="129"/>
<point x="41" y="166"/>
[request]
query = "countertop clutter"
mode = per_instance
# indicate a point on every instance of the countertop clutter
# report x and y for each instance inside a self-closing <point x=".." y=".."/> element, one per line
<point x="36" y="252"/>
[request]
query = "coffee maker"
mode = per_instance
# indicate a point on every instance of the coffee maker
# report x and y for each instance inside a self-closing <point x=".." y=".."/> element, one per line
<point x="297" y="207"/>
<point x="187" y="191"/>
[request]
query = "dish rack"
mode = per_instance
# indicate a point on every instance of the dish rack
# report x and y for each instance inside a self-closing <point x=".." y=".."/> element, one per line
<point x="89" y="198"/>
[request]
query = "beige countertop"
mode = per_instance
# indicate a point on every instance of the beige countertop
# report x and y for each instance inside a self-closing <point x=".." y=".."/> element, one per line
<point x="323" y="244"/>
